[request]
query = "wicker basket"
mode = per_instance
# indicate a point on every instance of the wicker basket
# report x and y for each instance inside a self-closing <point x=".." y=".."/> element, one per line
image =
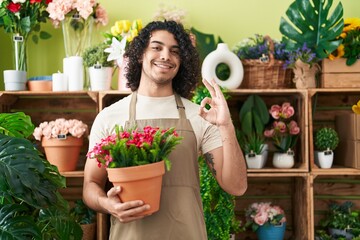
<point x="268" y="73"/>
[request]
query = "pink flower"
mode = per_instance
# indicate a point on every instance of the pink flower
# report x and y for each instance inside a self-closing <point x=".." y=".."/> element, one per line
<point x="287" y="110"/>
<point x="261" y="218"/>
<point x="101" y="16"/>
<point x="269" y="133"/>
<point x="293" y="128"/>
<point x="262" y="213"/>
<point x="275" y="111"/>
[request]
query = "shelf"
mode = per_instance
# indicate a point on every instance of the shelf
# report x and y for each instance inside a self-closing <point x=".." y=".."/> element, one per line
<point x="73" y="174"/>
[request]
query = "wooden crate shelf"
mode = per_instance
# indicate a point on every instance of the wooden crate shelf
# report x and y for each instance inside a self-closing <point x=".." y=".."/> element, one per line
<point x="290" y="193"/>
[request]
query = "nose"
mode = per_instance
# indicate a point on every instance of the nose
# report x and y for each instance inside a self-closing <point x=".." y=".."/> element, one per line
<point x="165" y="54"/>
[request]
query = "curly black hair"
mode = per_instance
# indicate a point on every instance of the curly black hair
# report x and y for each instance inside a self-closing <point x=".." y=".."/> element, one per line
<point x="189" y="71"/>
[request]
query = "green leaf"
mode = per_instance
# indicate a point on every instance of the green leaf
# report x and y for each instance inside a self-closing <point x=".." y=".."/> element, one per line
<point x="314" y="25"/>
<point x="45" y="35"/>
<point x="205" y="43"/>
<point x="35" y="38"/>
<point x="16" y="124"/>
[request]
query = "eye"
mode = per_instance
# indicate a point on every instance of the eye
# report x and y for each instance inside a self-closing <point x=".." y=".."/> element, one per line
<point x="156" y="48"/>
<point x="175" y="52"/>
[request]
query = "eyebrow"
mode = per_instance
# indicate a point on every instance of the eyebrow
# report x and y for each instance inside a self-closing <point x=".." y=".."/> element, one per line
<point x="161" y="43"/>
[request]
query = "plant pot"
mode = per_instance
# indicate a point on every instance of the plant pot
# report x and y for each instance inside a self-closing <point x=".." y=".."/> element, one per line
<point x="89" y="231"/>
<point x="15" y="80"/>
<point x="271" y="232"/>
<point x="100" y="78"/>
<point x="305" y="75"/>
<point x="340" y="232"/>
<point x="139" y="183"/>
<point x="283" y="160"/>
<point x="122" y="81"/>
<point x="40" y="85"/>
<point x="63" y="153"/>
<point x="324" y="159"/>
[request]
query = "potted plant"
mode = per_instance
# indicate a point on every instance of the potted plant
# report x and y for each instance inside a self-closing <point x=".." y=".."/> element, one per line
<point x="326" y="140"/>
<point x="284" y="134"/>
<point x="86" y="217"/>
<point x="100" y="70"/>
<point x="130" y="156"/>
<point x="31" y="206"/>
<point x="267" y="220"/>
<point x="341" y="221"/>
<point x="62" y="141"/>
<point x="254" y="116"/>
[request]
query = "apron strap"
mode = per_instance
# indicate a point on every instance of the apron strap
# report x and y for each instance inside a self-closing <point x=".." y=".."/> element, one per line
<point x="180" y="107"/>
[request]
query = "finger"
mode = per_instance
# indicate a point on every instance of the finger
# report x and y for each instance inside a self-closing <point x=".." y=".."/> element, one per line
<point x="205" y="101"/>
<point x="217" y="89"/>
<point x="209" y="87"/>
<point x="114" y="191"/>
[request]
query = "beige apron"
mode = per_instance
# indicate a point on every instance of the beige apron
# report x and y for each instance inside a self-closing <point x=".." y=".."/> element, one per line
<point x="181" y="214"/>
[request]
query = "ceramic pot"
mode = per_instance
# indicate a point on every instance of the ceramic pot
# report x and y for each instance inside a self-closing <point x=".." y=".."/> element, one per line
<point x="40" y="85"/>
<point x="324" y="159"/>
<point x="100" y="78"/>
<point x="15" y="80"/>
<point x="283" y="160"/>
<point x="271" y="232"/>
<point x="139" y="183"/>
<point x="257" y="161"/>
<point x="89" y="231"/>
<point x="63" y="153"/>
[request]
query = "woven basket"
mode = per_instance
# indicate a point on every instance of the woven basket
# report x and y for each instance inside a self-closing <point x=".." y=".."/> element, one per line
<point x="269" y="73"/>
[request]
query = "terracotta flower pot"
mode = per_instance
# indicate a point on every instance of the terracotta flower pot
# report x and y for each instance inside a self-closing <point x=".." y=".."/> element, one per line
<point x="63" y="153"/>
<point x="89" y="231"/>
<point x="139" y="183"/>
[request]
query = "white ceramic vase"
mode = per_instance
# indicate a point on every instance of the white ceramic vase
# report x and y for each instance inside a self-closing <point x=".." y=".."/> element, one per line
<point x="15" y="80"/>
<point x="257" y="161"/>
<point x="283" y="160"/>
<point x="100" y="78"/>
<point x="324" y="159"/>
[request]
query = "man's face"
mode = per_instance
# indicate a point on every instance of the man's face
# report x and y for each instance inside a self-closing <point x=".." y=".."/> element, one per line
<point x="161" y="59"/>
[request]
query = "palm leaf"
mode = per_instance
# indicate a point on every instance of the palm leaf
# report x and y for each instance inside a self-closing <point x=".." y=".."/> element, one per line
<point x="310" y="22"/>
<point x="16" y="124"/>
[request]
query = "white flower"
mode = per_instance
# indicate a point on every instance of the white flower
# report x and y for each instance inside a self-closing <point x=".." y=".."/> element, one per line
<point x="116" y="50"/>
<point x="17" y="1"/>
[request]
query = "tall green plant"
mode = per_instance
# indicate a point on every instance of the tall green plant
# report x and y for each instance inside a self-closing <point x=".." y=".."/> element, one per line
<point x="29" y="197"/>
<point x="310" y="22"/>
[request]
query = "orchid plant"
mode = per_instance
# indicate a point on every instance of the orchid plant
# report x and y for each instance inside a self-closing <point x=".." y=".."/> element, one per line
<point x="133" y="147"/>
<point x="120" y="35"/>
<point x="263" y="214"/>
<point x="284" y="131"/>
<point x="60" y="128"/>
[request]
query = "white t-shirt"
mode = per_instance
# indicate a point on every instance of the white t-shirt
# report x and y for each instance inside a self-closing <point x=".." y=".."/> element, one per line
<point x="207" y="135"/>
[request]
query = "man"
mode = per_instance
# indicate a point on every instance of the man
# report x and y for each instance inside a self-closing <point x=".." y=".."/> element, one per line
<point x="163" y="68"/>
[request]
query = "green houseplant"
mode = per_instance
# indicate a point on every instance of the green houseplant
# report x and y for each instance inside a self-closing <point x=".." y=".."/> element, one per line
<point x="310" y="22"/>
<point x="341" y="222"/>
<point x="218" y="205"/>
<point x="30" y="204"/>
<point x="100" y="70"/>
<point x="254" y="116"/>
<point x="326" y="140"/>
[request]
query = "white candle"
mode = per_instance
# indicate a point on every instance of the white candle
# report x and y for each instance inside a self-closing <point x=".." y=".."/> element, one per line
<point x="59" y="82"/>
<point x="74" y="72"/>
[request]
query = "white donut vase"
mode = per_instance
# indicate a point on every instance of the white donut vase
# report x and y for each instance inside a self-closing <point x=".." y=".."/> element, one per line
<point x="222" y="54"/>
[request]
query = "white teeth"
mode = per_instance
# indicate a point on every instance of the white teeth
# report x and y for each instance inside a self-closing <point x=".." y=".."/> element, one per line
<point x="163" y="65"/>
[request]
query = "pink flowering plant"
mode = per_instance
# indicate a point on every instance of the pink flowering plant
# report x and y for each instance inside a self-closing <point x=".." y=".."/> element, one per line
<point x="284" y="131"/>
<point x="59" y="9"/>
<point x="263" y="214"/>
<point x="60" y="128"/>
<point x="126" y="148"/>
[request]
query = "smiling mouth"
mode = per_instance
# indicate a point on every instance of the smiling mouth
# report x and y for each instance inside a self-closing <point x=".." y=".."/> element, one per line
<point x="164" y="65"/>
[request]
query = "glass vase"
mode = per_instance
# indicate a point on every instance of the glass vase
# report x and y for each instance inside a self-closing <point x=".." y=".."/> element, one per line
<point x="19" y="48"/>
<point x="77" y="34"/>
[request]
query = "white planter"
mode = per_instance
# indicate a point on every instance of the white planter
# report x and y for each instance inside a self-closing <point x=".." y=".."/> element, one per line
<point x="15" y="80"/>
<point x="283" y="160"/>
<point x="257" y="161"/>
<point x="100" y="78"/>
<point x="324" y="159"/>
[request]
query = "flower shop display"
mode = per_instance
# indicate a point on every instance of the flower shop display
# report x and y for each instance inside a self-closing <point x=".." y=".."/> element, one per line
<point x="254" y="116"/>
<point x="341" y="68"/>
<point x="77" y="18"/>
<point x="100" y="70"/>
<point x="119" y="37"/>
<point x="136" y="160"/>
<point x="20" y="19"/>
<point x="263" y="59"/>
<point x="267" y="220"/>
<point x="283" y="134"/>
<point x="304" y="64"/>
<point x="62" y="141"/>
<point x="326" y="140"/>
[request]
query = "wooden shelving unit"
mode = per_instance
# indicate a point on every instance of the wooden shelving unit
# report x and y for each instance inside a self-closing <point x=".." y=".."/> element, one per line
<point x="302" y="190"/>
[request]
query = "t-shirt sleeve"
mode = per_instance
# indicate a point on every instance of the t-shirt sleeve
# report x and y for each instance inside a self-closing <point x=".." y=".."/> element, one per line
<point x="211" y="139"/>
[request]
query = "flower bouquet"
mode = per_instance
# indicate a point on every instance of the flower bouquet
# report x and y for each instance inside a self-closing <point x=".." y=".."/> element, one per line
<point x="77" y="18"/>
<point x="267" y="220"/>
<point x="62" y="141"/>
<point x="135" y="161"/>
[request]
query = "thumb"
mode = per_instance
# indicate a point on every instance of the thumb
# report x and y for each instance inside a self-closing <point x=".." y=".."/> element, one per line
<point x="114" y="191"/>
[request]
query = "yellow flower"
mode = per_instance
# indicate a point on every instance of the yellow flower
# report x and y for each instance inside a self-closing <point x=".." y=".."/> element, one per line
<point x="122" y="26"/>
<point x="340" y="51"/>
<point x="133" y="33"/>
<point x="356" y="108"/>
<point x="137" y="24"/>
<point x="114" y="31"/>
<point x="351" y="24"/>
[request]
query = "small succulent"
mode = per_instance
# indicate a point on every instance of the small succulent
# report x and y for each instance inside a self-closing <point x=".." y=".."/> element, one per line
<point x="96" y="55"/>
<point x="326" y="138"/>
